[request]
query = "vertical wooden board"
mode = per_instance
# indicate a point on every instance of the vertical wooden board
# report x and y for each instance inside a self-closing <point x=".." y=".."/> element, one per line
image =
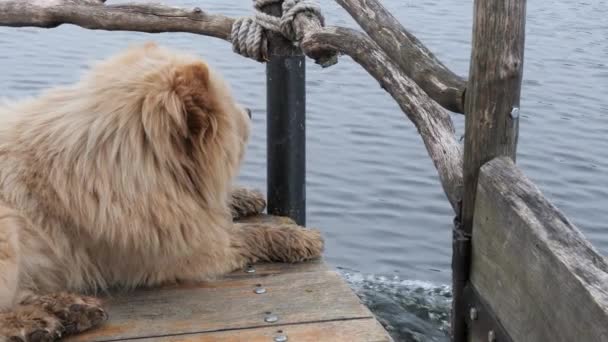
<point x="358" y="330"/>
<point x="228" y="304"/>
<point x="540" y="276"/>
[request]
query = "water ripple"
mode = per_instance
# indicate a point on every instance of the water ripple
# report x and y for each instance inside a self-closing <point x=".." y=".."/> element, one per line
<point x="415" y="311"/>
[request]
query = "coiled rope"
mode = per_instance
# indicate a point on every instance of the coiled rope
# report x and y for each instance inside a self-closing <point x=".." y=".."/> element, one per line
<point x="248" y="34"/>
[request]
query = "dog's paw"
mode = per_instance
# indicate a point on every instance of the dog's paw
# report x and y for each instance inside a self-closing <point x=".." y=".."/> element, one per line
<point x="75" y="312"/>
<point x="29" y="323"/>
<point x="307" y="244"/>
<point x="246" y="202"/>
<point x="291" y="243"/>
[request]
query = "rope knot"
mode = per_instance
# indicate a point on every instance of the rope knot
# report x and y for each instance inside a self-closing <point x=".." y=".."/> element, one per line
<point x="291" y="8"/>
<point x="248" y="34"/>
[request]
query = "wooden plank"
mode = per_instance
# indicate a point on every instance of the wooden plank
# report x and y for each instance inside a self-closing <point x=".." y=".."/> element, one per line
<point x="358" y="330"/>
<point x="543" y="279"/>
<point x="268" y="269"/>
<point x="229" y="304"/>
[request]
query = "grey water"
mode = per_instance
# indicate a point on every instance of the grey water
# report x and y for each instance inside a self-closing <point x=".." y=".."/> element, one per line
<point x="371" y="187"/>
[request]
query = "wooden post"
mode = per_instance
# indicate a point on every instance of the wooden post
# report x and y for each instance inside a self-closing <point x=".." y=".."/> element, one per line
<point x="492" y="112"/>
<point x="286" y="141"/>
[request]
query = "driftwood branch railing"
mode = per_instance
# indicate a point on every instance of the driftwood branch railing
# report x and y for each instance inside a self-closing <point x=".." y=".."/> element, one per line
<point x="414" y="59"/>
<point x="432" y="121"/>
<point x="488" y="193"/>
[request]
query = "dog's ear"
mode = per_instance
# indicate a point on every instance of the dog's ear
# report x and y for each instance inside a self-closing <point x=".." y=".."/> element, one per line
<point x="181" y="104"/>
<point x="192" y="87"/>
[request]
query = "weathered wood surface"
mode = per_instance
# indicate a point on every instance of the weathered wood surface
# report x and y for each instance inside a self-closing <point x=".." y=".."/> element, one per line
<point x="493" y="91"/>
<point x="124" y="17"/>
<point x="542" y="278"/>
<point x="432" y="121"/>
<point x="308" y="300"/>
<point x="270" y="269"/>
<point x="356" y="330"/>
<point x="414" y="59"/>
<point x="492" y="94"/>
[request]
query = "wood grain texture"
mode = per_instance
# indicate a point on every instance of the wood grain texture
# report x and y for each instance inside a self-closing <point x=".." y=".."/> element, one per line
<point x="494" y="88"/>
<point x="414" y="59"/>
<point x="542" y="278"/>
<point x="311" y="296"/>
<point x="358" y="330"/>
<point x="432" y="121"/>
<point x="492" y="93"/>
<point x="270" y="269"/>
<point x="124" y="17"/>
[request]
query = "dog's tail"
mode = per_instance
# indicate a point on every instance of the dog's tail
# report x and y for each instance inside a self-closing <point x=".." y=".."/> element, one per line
<point x="278" y="242"/>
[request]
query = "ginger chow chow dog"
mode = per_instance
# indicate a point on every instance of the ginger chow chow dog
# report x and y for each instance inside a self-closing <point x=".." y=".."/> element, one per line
<point x="124" y="180"/>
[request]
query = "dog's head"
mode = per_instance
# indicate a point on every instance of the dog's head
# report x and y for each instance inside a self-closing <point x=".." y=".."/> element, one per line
<point x="181" y="107"/>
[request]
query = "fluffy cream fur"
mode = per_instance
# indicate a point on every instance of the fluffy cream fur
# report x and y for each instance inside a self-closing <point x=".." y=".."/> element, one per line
<point x="125" y="179"/>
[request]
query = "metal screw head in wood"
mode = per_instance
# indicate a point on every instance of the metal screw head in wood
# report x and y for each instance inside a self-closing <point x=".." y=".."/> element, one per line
<point x="514" y="113"/>
<point x="491" y="336"/>
<point x="270" y="318"/>
<point x="259" y="289"/>
<point x="473" y="314"/>
<point x="280" y="338"/>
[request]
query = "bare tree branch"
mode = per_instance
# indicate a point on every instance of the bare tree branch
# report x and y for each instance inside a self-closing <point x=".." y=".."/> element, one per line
<point x="92" y="14"/>
<point x="418" y="62"/>
<point x="128" y="17"/>
<point x="433" y="122"/>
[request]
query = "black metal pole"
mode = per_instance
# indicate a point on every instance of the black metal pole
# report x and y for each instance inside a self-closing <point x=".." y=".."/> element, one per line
<point x="286" y="144"/>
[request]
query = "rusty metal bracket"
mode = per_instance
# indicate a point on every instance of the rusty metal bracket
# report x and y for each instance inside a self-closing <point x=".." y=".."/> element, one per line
<point x="482" y="324"/>
<point x="461" y="247"/>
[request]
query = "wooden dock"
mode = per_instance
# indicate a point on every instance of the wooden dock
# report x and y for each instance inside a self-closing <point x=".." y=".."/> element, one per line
<point x="301" y="302"/>
<point x="521" y="271"/>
